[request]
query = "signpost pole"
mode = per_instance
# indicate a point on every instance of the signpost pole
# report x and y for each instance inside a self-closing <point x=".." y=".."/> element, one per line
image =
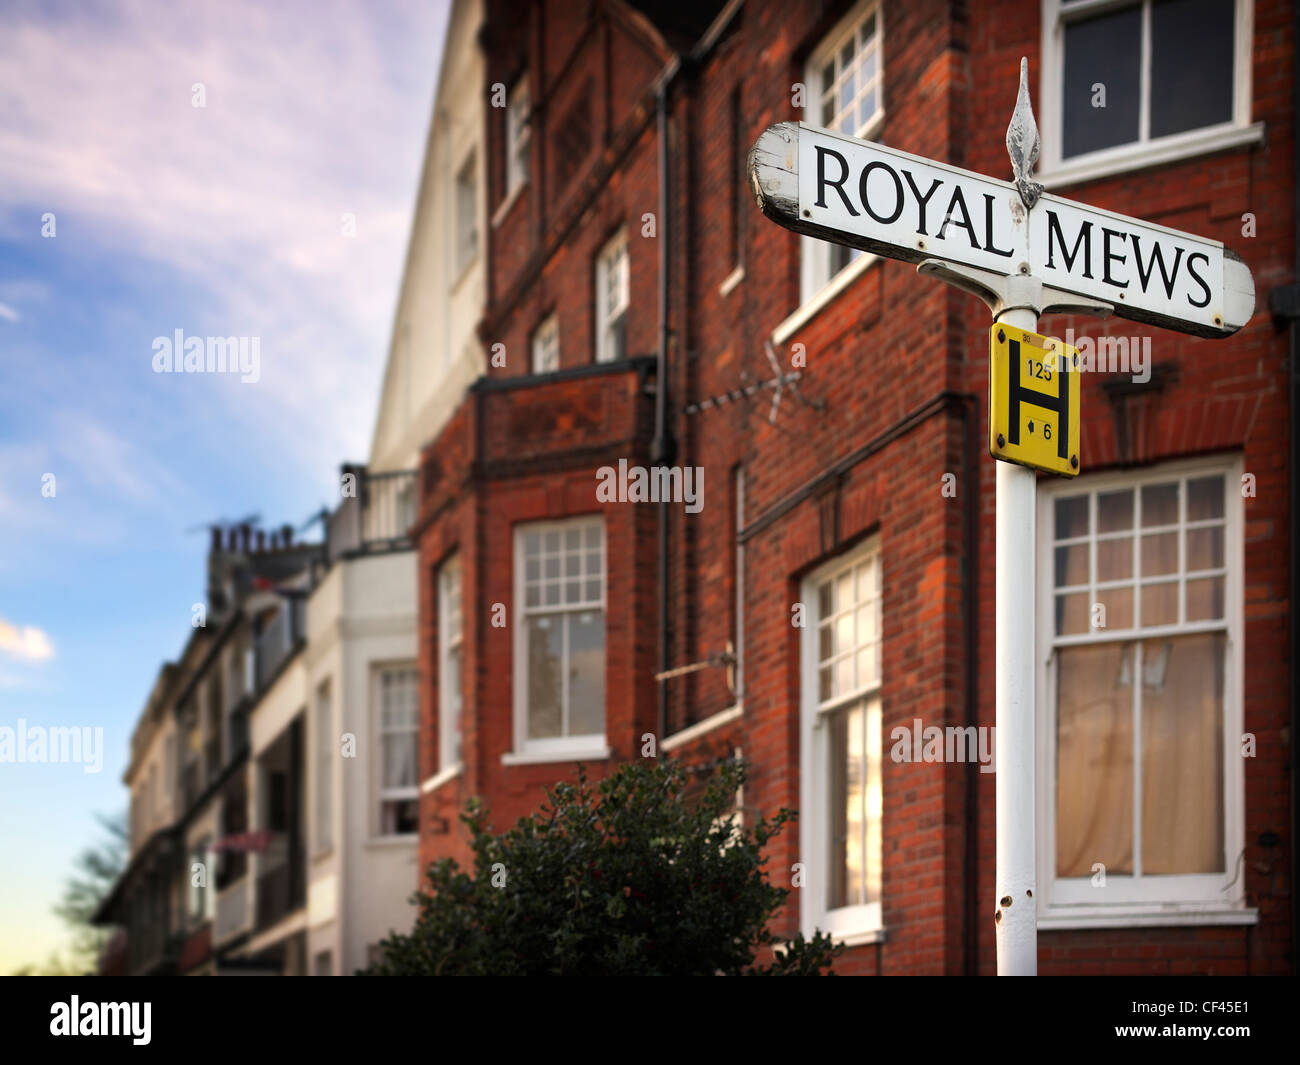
<point x="1013" y="666"/>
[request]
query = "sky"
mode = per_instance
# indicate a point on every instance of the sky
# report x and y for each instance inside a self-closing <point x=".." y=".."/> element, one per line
<point x="225" y="168"/>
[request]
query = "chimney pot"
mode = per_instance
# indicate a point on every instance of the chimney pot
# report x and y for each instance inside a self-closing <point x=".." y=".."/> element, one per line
<point x="261" y="540"/>
<point x="245" y="536"/>
<point x="216" y="538"/>
<point x="286" y="535"/>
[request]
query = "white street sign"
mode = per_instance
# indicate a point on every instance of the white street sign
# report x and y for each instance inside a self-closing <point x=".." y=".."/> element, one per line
<point x="865" y="195"/>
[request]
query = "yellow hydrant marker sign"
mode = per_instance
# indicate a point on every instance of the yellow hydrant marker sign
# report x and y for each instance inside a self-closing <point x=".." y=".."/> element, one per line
<point x="1033" y="401"/>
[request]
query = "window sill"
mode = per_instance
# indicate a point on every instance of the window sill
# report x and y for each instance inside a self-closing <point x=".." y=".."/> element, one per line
<point x="1127" y="157"/>
<point x="443" y="776"/>
<point x="569" y="754"/>
<point x="700" y="728"/>
<point x="859" y="939"/>
<point x="1140" y="916"/>
<point x="503" y="208"/>
<point x="822" y="298"/>
<point x="732" y="280"/>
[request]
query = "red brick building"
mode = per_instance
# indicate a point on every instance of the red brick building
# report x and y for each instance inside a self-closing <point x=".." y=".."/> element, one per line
<point x="639" y="307"/>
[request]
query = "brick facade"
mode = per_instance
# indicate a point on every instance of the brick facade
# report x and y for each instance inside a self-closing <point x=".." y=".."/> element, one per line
<point x="893" y="399"/>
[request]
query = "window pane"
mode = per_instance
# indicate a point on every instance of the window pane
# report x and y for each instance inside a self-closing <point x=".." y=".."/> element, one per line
<point x="1205" y="599"/>
<point x="1159" y="504"/>
<point x="1072" y="565"/>
<point x="1159" y="554"/>
<point x="1094" y="757"/>
<point x="847" y="885"/>
<point x="1118" y="608"/>
<point x="1205" y="498"/>
<point x="1205" y="548"/>
<point x="1182" y="754"/>
<point x="400" y="817"/>
<point x="587" y="673"/>
<point x="1072" y="614"/>
<point x="866" y="625"/>
<point x="545" y="647"/>
<point x="1105" y="50"/>
<point x="1191" y="64"/>
<point x="1160" y="603"/>
<point x="1071" y="517"/>
<point x="399" y="760"/>
<point x="844" y="633"/>
<point x="826" y="599"/>
<point x="844" y="675"/>
<point x="1115" y="511"/>
<point x="1114" y="559"/>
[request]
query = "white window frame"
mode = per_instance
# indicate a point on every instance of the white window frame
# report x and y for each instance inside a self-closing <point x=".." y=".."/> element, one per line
<point x="465" y="239"/>
<point x="859" y="923"/>
<point x="518" y="137"/>
<point x="613" y="256"/>
<point x="1145" y="152"/>
<point x="451" y="637"/>
<point x="553" y="748"/>
<point x="1215" y="898"/>
<point x="545" y="345"/>
<point x="380" y="793"/>
<point x="323" y="782"/>
<point x="816" y="283"/>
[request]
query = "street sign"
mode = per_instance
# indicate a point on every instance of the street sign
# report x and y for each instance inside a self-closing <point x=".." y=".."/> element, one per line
<point x="866" y="195"/>
<point x="1033" y="401"/>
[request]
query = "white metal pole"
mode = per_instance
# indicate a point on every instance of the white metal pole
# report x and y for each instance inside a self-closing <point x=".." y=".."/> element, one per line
<point x="1016" y="913"/>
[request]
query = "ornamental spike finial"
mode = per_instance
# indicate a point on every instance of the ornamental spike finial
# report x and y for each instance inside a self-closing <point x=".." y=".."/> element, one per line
<point x="1023" y="142"/>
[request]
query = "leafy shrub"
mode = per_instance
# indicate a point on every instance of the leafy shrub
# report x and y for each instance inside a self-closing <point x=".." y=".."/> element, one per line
<point x="625" y="878"/>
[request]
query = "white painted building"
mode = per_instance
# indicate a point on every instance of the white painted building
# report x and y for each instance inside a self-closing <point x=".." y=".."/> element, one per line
<point x="360" y="689"/>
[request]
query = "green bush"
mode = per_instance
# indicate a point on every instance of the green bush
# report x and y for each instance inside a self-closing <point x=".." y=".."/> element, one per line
<point x="626" y="878"/>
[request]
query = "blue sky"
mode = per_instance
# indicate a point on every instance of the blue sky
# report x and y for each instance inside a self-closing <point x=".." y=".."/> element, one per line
<point x="221" y="220"/>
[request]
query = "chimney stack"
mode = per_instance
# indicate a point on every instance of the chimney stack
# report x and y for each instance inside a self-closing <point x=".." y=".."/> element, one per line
<point x="245" y="536"/>
<point x="261" y="540"/>
<point x="286" y="535"/>
<point x="216" y="538"/>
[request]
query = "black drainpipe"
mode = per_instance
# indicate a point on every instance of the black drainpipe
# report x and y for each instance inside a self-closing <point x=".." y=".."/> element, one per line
<point x="1293" y="372"/>
<point x="663" y="447"/>
<point x="1284" y="305"/>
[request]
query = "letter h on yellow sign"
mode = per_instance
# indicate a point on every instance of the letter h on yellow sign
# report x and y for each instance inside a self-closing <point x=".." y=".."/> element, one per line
<point x="1033" y="401"/>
